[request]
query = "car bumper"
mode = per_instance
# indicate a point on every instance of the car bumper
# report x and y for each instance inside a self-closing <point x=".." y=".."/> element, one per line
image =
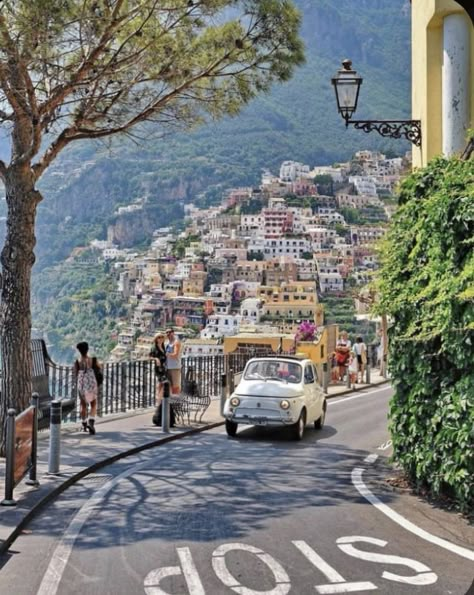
<point x="261" y="419"/>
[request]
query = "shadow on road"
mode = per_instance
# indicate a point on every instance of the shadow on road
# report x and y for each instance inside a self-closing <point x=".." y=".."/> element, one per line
<point x="214" y="487"/>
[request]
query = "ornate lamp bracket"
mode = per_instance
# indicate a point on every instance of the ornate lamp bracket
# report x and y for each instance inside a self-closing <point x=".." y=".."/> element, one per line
<point x="409" y="129"/>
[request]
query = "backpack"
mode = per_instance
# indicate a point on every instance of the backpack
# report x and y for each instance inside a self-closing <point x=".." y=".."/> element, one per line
<point x="99" y="375"/>
<point x="87" y="384"/>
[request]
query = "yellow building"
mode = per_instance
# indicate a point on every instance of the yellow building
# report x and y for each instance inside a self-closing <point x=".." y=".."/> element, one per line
<point x="442" y="76"/>
<point x="291" y="301"/>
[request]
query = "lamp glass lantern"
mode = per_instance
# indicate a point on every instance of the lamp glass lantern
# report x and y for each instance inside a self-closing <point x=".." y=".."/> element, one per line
<point x="347" y="85"/>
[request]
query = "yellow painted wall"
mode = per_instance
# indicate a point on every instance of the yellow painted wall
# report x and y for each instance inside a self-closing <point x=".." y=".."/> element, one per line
<point x="427" y="59"/>
<point x="273" y="341"/>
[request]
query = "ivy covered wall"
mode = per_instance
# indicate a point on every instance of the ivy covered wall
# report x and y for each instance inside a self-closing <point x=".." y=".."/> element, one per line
<point x="427" y="288"/>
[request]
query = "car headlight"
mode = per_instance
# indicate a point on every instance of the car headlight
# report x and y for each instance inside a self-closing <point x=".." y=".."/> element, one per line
<point x="285" y="404"/>
<point x="235" y="401"/>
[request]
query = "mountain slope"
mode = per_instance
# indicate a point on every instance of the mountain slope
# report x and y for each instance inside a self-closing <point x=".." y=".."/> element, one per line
<point x="297" y="120"/>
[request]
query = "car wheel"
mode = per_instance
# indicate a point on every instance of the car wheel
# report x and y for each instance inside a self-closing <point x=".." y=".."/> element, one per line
<point x="299" y="426"/>
<point x="231" y="428"/>
<point x="319" y="423"/>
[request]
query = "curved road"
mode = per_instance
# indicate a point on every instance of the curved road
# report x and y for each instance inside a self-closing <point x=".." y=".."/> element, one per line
<point x="255" y="515"/>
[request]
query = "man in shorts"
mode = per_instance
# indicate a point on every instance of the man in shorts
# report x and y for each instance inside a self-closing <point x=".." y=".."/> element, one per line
<point x="173" y="361"/>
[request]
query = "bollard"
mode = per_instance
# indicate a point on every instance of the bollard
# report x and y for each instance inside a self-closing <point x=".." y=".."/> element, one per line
<point x="223" y="392"/>
<point x="32" y="480"/>
<point x="54" y="438"/>
<point x="367" y="373"/>
<point x="348" y="379"/>
<point x="10" y="460"/>
<point x="325" y="378"/>
<point x="165" y="408"/>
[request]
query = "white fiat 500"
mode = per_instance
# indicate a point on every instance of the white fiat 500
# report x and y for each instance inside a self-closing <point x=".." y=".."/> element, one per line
<point x="277" y="391"/>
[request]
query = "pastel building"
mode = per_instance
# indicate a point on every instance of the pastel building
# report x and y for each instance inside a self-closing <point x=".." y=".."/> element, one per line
<point x="442" y="76"/>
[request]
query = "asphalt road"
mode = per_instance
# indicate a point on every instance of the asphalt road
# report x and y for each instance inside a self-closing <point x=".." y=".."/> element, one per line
<point x="255" y="515"/>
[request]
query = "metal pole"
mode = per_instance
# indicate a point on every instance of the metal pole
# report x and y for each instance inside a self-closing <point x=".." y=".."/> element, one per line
<point x="367" y="373"/>
<point x="10" y="460"/>
<point x="348" y="379"/>
<point x="223" y="392"/>
<point x="325" y="378"/>
<point x="54" y="438"/>
<point x="32" y="480"/>
<point x="165" y="408"/>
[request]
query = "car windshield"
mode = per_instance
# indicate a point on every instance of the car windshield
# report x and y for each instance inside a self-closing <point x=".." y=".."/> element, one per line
<point x="273" y="370"/>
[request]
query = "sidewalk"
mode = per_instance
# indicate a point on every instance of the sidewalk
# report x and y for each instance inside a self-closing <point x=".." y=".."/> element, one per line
<point x="82" y="454"/>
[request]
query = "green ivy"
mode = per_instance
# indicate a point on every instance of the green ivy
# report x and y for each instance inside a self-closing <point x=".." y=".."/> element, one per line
<point x="426" y="285"/>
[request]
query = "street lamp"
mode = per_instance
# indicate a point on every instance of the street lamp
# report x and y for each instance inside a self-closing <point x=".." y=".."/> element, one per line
<point x="347" y="85"/>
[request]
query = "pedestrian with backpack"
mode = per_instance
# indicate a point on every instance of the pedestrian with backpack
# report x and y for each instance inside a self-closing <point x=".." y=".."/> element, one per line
<point x="89" y="377"/>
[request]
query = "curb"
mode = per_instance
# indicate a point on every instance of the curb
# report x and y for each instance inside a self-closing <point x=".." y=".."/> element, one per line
<point x="5" y="545"/>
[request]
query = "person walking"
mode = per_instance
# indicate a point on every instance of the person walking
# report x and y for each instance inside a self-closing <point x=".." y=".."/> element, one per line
<point x="173" y="361"/>
<point x="360" y="350"/>
<point x="89" y="377"/>
<point x="343" y="348"/>
<point x="158" y="355"/>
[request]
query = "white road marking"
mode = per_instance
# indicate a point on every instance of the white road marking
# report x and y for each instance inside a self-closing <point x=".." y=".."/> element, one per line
<point x="57" y="565"/>
<point x="190" y="571"/>
<point x="371" y="458"/>
<point x="385" y="445"/>
<point x="339" y="582"/>
<point x="424" y="574"/>
<point x="219" y="565"/>
<point x="402" y="521"/>
<point x="153" y="579"/>
<point x="361" y="396"/>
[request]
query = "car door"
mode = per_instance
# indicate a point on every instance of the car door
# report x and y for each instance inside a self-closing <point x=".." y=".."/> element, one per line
<point x="319" y="395"/>
<point x="310" y="391"/>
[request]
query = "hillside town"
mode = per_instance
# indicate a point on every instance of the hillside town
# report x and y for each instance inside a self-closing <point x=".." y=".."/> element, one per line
<point x="260" y="262"/>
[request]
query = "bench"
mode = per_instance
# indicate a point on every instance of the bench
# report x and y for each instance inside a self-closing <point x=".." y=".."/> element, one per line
<point x="190" y="406"/>
<point x="40" y="383"/>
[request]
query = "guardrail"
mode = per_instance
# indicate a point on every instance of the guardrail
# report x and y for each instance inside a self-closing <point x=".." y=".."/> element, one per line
<point x="132" y="385"/>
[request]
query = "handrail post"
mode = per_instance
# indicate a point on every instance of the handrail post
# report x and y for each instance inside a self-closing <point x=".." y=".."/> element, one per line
<point x="223" y="392"/>
<point x="10" y="460"/>
<point x="32" y="479"/>
<point x="325" y="378"/>
<point x="54" y="454"/>
<point x="165" y="408"/>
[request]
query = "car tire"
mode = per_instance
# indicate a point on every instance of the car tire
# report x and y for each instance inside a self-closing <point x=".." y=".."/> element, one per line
<point x="231" y="428"/>
<point x="319" y="423"/>
<point x="299" y="426"/>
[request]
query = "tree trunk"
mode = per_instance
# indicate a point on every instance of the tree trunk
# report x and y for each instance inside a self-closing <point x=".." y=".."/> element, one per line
<point x="17" y="260"/>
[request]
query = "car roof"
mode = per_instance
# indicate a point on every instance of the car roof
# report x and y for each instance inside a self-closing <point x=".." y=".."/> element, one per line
<point x="292" y="358"/>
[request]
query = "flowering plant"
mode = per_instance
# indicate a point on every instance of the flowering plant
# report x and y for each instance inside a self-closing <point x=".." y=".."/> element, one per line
<point x="306" y="331"/>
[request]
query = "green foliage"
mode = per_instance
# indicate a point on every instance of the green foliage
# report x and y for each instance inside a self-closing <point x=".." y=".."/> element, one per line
<point x="86" y="307"/>
<point x="341" y="311"/>
<point x="426" y="285"/>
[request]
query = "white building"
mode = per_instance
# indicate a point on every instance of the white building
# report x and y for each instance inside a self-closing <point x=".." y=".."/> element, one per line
<point x="330" y="282"/>
<point x="294" y="246"/>
<point x="364" y="184"/>
<point x="290" y="171"/>
<point x="202" y="347"/>
<point x="221" y="325"/>
<point x="251" y="310"/>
